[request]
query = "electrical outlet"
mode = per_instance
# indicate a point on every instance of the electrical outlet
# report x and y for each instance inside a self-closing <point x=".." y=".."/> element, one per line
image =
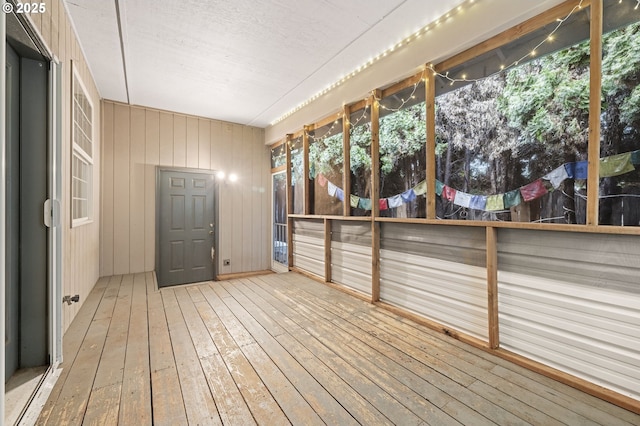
<point x="226" y="262"/>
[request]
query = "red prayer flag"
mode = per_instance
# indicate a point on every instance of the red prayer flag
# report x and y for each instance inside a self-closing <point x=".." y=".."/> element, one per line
<point x="384" y="205"/>
<point x="322" y="180"/>
<point x="533" y="190"/>
<point x="448" y="193"/>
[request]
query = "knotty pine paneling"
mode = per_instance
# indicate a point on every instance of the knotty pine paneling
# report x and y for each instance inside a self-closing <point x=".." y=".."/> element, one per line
<point x="144" y="138"/>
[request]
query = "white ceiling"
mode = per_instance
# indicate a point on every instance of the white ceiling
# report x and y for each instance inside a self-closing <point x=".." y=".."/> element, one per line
<point x="244" y="61"/>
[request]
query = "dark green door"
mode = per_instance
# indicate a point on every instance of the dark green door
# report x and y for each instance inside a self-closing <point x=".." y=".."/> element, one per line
<point x="12" y="294"/>
<point x="26" y="334"/>
<point x="186" y="227"/>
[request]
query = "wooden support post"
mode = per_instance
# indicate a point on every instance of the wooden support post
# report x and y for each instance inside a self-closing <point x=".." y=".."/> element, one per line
<point x="375" y="262"/>
<point x="346" y="163"/>
<point x="375" y="196"/>
<point x="327" y="250"/>
<point x="305" y="172"/>
<point x="492" y="287"/>
<point x="288" y="142"/>
<point x="430" y="102"/>
<point x="595" y="89"/>
<point x="375" y="154"/>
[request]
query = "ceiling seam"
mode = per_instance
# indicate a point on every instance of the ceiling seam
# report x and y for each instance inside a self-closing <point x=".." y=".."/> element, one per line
<point x="124" y="61"/>
<point x="327" y="61"/>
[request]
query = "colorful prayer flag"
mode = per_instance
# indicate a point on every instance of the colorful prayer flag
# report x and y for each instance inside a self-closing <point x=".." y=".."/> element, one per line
<point x="331" y="189"/>
<point x="478" y="202"/>
<point x="439" y="187"/>
<point x="420" y="188"/>
<point x="462" y="199"/>
<point x="533" y="190"/>
<point x="355" y="200"/>
<point x="582" y="168"/>
<point x="635" y="157"/>
<point x="448" y="193"/>
<point x="340" y="194"/>
<point x="322" y="180"/>
<point x="495" y="202"/>
<point x="408" y="196"/>
<point x="557" y="176"/>
<point x="395" y="201"/>
<point x="383" y="204"/>
<point x="577" y="170"/>
<point x="616" y="165"/>
<point x="364" y="204"/>
<point x="512" y="198"/>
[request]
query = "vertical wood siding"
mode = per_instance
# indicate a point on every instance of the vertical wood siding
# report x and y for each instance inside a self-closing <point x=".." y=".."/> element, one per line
<point x="575" y="310"/>
<point x="351" y="255"/>
<point x="81" y="244"/>
<point x="136" y="140"/>
<point x="308" y="246"/>
<point x="438" y="272"/>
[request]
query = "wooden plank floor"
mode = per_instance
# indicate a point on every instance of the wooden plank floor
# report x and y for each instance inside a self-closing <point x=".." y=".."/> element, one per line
<point x="283" y="349"/>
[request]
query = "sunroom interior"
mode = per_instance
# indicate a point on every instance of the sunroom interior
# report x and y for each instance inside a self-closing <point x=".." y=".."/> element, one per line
<point x="463" y="174"/>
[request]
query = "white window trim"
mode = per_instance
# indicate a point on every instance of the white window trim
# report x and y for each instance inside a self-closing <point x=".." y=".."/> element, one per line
<point x="78" y="151"/>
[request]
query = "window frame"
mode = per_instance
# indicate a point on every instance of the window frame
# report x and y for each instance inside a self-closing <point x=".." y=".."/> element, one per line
<point x="79" y="153"/>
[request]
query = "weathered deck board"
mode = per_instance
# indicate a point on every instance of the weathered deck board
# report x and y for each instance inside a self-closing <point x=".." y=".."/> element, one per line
<point x="73" y="340"/>
<point x="74" y="396"/>
<point x="135" y="405"/>
<point x="165" y="384"/>
<point x="283" y="349"/>
<point x="257" y="397"/>
<point x="198" y="401"/>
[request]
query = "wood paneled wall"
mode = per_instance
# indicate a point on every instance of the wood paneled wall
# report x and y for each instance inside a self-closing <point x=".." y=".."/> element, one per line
<point x="81" y="246"/>
<point x="136" y="140"/>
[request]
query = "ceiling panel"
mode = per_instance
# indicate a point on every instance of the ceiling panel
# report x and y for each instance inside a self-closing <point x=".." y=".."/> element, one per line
<point x="241" y="61"/>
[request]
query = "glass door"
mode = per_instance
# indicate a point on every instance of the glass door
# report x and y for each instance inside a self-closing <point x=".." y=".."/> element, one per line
<point x="279" y="247"/>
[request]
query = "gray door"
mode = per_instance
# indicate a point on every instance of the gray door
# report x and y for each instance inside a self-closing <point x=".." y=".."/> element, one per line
<point x="186" y="227"/>
<point x="12" y="295"/>
<point x="26" y="334"/>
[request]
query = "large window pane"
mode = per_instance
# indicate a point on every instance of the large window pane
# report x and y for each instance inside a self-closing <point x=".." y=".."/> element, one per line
<point x="280" y="217"/>
<point x="512" y="144"/>
<point x="325" y="168"/>
<point x="360" y="154"/>
<point x="82" y="164"/>
<point x="620" y="118"/>
<point x="297" y="171"/>
<point x="403" y="153"/>
<point x="278" y="156"/>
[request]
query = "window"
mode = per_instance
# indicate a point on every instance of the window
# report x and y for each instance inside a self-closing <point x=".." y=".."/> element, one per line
<point x="512" y="129"/>
<point x="325" y="168"/>
<point x="82" y="162"/>
<point x="403" y="152"/>
<point x="620" y="117"/>
<point x="278" y="156"/>
<point x="360" y="160"/>
<point x="297" y="175"/>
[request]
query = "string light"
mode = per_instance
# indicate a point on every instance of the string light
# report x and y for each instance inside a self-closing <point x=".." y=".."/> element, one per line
<point x="403" y="101"/>
<point x="424" y="30"/>
<point x="402" y="43"/>
<point x="327" y="133"/>
<point x="532" y="53"/>
<point x="359" y="119"/>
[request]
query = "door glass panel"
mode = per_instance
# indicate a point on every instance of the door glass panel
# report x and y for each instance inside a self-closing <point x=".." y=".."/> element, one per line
<point x="280" y="218"/>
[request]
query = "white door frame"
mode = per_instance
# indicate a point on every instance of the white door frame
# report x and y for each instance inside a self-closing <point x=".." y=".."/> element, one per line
<point x="53" y="213"/>
<point x="51" y="217"/>
<point x="3" y="200"/>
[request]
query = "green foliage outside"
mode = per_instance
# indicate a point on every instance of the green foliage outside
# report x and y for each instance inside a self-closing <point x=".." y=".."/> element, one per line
<point x="506" y="130"/>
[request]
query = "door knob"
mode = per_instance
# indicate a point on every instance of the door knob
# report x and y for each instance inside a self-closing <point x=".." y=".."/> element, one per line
<point x="210" y="232"/>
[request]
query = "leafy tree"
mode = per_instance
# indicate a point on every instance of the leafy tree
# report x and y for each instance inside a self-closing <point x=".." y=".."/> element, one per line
<point x="502" y="132"/>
